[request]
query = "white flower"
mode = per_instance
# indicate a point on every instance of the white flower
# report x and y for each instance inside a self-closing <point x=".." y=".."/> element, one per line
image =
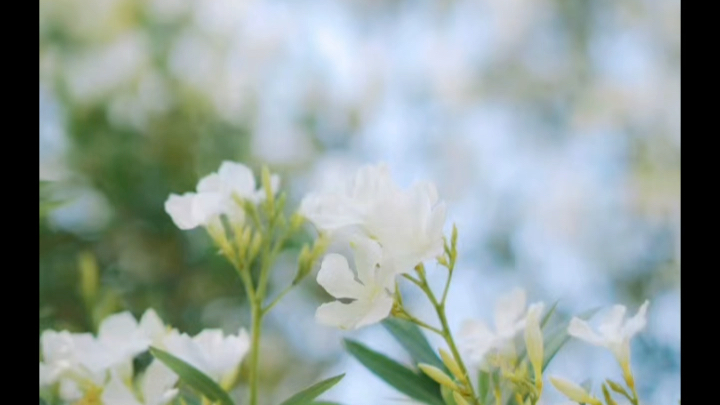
<point x="122" y="338"/>
<point x="215" y="195"/>
<point x="477" y="340"/>
<point x="371" y="296"/>
<point x="67" y="356"/>
<point x="406" y="223"/>
<point x="211" y="352"/>
<point x="154" y="328"/>
<point x="615" y="332"/>
<point x="156" y="384"/>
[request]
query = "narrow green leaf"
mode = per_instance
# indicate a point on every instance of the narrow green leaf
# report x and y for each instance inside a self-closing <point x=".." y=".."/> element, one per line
<point x="547" y="316"/>
<point x="417" y="386"/>
<point x="483" y="385"/>
<point x="412" y="339"/>
<point x="306" y="396"/>
<point x="193" y="377"/>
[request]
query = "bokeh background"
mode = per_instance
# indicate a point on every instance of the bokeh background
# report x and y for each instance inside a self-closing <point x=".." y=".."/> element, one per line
<point x="551" y="127"/>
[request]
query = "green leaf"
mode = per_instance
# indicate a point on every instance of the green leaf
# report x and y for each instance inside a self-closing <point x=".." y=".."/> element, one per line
<point x="412" y="339"/>
<point x="417" y="386"/>
<point x="193" y="377"/>
<point x="306" y="396"/>
<point x="547" y="316"/>
<point x="483" y="385"/>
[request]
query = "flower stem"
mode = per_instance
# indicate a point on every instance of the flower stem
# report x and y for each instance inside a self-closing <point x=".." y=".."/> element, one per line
<point x="445" y="331"/>
<point x="257" y="316"/>
<point x="277" y="299"/>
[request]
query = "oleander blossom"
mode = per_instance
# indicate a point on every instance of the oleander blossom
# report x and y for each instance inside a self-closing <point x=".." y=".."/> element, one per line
<point x="478" y="340"/>
<point x="210" y="351"/>
<point x="371" y="295"/>
<point x="614" y="332"/>
<point x="73" y="360"/>
<point x="215" y="195"/>
<point x="155" y="386"/>
<point x="408" y="224"/>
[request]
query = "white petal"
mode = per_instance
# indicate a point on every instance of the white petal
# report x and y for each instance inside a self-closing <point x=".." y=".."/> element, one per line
<point x="207" y="206"/>
<point x="378" y="309"/>
<point x="183" y="347"/>
<point x="237" y="178"/>
<point x="153" y="327"/>
<point x="329" y="212"/>
<point x="637" y="322"/>
<point x="212" y="183"/>
<point x="121" y="334"/>
<point x="180" y="210"/>
<point x="337" y="279"/>
<point x="223" y="354"/>
<point x="117" y="393"/>
<point x="367" y="254"/>
<point x="611" y="326"/>
<point x="355" y="314"/>
<point x="157" y="381"/>
<point x="475" y="339"/>
<point x="508" y="310"/>
<point x="581" y="330"/>
<point x="373" y="182"/>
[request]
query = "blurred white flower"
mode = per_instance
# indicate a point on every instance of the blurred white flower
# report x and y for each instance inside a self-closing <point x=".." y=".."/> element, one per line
<point x="211" y="352"/>
<point x="408" y="224"/>
<point x="615" y="332"/>
<point x="477" y="340"/>
<point x="121" y="339"/>
<point x="372" y="299"/>
<point x="80" y="361"/>
<point x="215" y="196"/>
<point x="156" y="384"/>
<point x="65" y="357"/>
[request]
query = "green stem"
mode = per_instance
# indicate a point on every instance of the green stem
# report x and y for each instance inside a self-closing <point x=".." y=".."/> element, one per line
<point x="277" y="299"/>
<point x="422" y="324"/>
<point x="257" y="316"/>
<point x="447" y="286"/>
<point x="445" y="332"/>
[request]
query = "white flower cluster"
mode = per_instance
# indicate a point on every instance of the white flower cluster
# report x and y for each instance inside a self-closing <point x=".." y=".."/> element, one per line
<point x="100" y="367"/>
<point x="390" y="230"/>
<point x="215" y="196"/>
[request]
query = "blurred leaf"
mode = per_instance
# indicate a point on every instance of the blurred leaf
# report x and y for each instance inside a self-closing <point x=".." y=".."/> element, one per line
<point x="42" y="402"/>
<point x="547" y="316"/>
<point x="305" y="396"/>
<point x="483" y="385"/>
<point x="412" y="339"/>
<point x="193" y="377"/>
<point x="419" y="387"/>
